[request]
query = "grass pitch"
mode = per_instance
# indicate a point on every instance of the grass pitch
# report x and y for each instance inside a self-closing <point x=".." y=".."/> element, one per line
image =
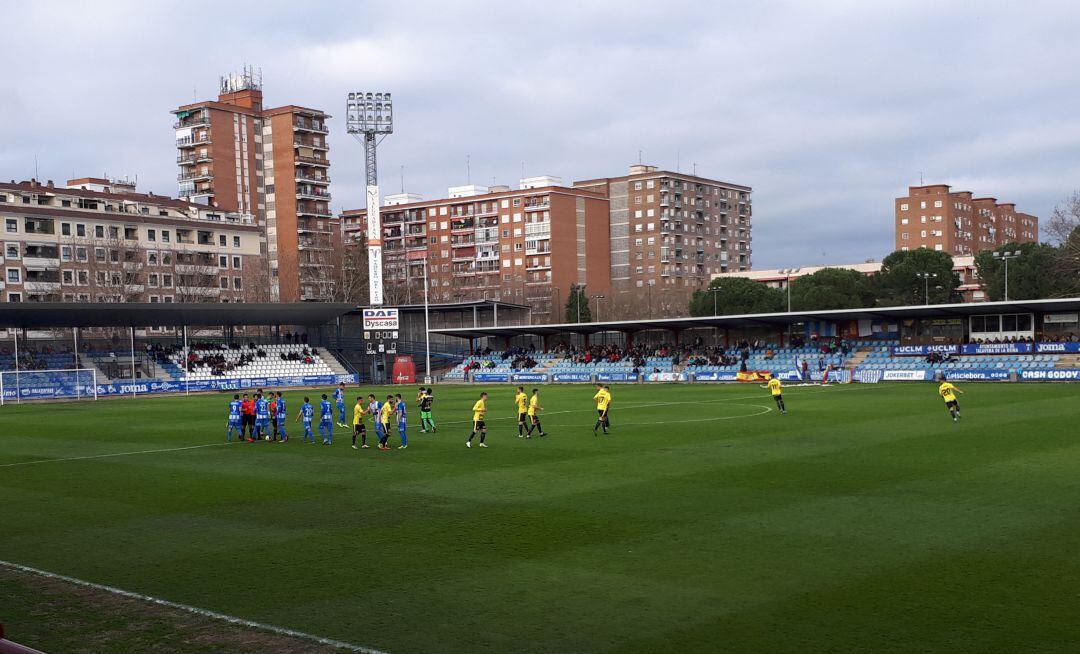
<point x="864" y="520"/>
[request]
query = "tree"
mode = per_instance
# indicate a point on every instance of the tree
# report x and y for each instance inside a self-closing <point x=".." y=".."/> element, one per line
<point x="351" y="271"/>
<point x="832" y="288"/>
<point x="1033" y="275"/>
<point x="577" y="304"/>
<point x="1064" y="220"/>
<point x="736" y="295"/>
<point x="900" y="283"/>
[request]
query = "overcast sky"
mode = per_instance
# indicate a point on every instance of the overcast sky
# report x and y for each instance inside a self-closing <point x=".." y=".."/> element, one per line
<point x="828" y="109"/>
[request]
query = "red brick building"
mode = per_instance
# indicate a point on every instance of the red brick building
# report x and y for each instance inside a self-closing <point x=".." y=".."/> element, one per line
<point x="937" y="218"/>
<point x="237" y="155"/>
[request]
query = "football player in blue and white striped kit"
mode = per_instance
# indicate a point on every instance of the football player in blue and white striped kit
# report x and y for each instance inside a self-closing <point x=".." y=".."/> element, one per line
<point x="234" y="420"/>
<point x="281" y="416"/>
<point x="307" y="412"/>
<point x="326" y="421"/>
<point x="339" y="398"/>
<point x="262" y="418"/>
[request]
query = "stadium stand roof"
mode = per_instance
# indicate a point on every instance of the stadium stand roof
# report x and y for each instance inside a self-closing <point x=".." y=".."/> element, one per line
<point x="773" y="319"/>
<point x="41" y="315"/>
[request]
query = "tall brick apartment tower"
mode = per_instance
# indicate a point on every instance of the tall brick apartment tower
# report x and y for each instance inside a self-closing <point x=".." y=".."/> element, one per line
<point x="272" y="164"/>
<point x="938" y="218"/>
<point x="672" y="230"/>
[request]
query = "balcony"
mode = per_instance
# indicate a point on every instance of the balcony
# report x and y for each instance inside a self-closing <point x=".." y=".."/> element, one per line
<point x="307" y="211"/>
<point x="461" y="225"/>
<point x="191" y="142"/>
<point x="194" y="120"/>
<point x="312" y="161"/>
<point x="300" y="143"/>
<point x="41" y="263"/>
<point x="191" y="177"/>
<point x="41" y="287"/>
<point x="301" y="177"/>
<point x="310" y="126"/>
<point x="312" y="193"/>
<point x="538" y="207"/>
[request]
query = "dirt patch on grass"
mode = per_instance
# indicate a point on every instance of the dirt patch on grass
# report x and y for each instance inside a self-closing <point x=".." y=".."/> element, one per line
<point x="57" y="616"/>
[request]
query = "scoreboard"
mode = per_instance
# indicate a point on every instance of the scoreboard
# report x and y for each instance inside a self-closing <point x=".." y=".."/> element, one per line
<point x="381" y="329"/>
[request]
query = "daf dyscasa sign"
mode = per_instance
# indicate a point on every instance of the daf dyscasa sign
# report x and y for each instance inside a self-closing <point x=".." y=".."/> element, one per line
<point x="380" y="319"/>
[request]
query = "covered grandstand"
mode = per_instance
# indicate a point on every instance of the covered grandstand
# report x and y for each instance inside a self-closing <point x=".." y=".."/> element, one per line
<point x="61" y="350"/>
<point x="1036" y="339"/>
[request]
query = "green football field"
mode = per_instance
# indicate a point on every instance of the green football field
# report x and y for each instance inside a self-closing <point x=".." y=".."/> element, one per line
<point x="864" y="520"/>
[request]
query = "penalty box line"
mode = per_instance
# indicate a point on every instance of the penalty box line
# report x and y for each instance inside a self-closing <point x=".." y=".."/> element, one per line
<point x="206" y="613"/>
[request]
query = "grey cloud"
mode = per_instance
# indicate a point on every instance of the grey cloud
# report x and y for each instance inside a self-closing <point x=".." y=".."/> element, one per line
<point x="828" y="109"/>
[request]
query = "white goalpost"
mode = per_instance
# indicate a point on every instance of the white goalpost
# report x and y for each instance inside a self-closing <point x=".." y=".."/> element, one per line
<point x="70" y="383"/>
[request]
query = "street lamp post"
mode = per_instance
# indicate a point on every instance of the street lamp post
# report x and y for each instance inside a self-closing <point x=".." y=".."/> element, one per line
<point x="597" y="298"/>
<point x="714" y="291"/>
<point x="926" y="277"/>
<point x="652" y="282"/>
<point x="1005" y="256"/>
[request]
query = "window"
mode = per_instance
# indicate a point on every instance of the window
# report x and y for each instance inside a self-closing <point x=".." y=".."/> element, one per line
<point x="14" y="297"/>
<point x="517" y="247"/>
<point x="937" y="204"/>
<point x="81" y="254"/>
<point x="222" y="261"/>
<point x="151" y="235"/>
<point x="517" y="202"/>
<point x="903" y="221"/>
<point x="222" y="241"/>
<point x="903" y="207"/>
<point x="166" y="280"/>
<point x="11" y="250"/>
<point x="223" y="282"/>
<point x="80" y="230"/>
<point x="164" y="236"/>
<point x="152" y="279"/>
<point x="154" y="299"/>
<point x="11" y="225"/>
<point x="650" y="183"/>
<point x="237" y="284"/>
<point x="14" y="275"/>
<point x="236" y="241"/>
<point x="65" y="253"/>
<point x="923" y="233"/>
<point x="637" y="228"/>
<point x="236" y="263"/>
<point x="68" y="277"/>
<point x="65" y="229"/>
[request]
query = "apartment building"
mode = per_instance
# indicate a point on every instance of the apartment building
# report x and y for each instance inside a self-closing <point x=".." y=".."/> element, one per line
<point x="526" y="245"/>
<point x="936" y="217"/>
<point x="98" y="240"/>
<point x="272" y="163"/>
<point x="673" y="230"/>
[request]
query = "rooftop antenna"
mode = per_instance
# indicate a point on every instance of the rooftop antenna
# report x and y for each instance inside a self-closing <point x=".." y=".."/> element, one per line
<point x="402" y="178"/>
<point x="695" y="169"/>
<point x="639" y="156"/>
<point x="921" y="183"/>
<point x="468" y="169"/>
<point x="678" y="167"/>
<point x="35" y="167"/>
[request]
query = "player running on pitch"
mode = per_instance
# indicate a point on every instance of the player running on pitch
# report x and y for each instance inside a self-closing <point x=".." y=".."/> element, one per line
<point x="534" y="414"/>
<point x="358" y="427"/>
<point x="326" y="421"/>
<point x="339" y="398"/>
<point x="776" y="388"/>
<point x="307" y="412"/>
<point x="522" y="402"/>
<point x="603" y="400"/>
<point x="479" y="410"/>
<point x="374" y="408"/>
<point x="948" y="393"/>
<point x="234" y="423"/>
<point x="427" y="423"/>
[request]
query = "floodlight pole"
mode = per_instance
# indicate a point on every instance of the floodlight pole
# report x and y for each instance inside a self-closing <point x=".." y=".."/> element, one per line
<point x="369" y="116"/>
<point x="427" y="330"/>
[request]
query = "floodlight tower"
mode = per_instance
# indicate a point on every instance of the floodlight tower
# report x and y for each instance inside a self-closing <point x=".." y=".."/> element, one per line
<point x="370" y="117"/>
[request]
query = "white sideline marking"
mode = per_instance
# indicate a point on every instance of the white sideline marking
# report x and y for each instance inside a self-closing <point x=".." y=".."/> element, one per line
<point x="104" y="456"/>
<point x="206" y="613"/>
